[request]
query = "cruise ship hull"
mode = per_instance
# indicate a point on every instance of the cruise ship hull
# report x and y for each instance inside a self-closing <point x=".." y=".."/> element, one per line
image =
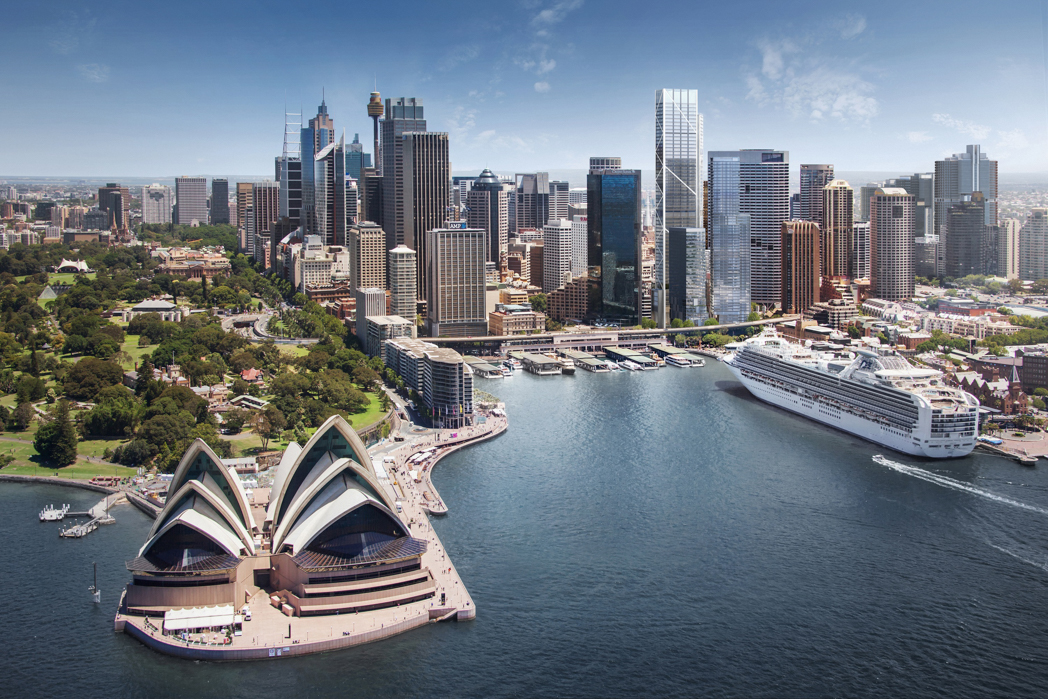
<point x="871" y="431"/>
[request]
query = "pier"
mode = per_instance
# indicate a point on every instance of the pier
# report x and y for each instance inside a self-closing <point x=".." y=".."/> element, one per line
<point x="97" y="516"/>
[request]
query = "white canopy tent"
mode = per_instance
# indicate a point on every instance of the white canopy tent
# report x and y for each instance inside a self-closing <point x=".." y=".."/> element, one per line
<point x="199" y="618"/>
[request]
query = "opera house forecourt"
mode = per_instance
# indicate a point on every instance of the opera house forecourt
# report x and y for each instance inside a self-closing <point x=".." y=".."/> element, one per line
<point x="322" y="560"/>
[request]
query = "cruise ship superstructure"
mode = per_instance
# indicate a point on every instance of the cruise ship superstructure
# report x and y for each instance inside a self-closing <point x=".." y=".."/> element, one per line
<point x="874" y="394"/>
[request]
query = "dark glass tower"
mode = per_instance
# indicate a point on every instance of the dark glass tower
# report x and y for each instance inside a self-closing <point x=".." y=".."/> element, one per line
<point x="219" y="201"/>
<point x="613" y="229"/>
<point x="403" y="115"/>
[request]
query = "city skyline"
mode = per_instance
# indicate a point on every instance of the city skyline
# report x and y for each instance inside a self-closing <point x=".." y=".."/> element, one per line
<point x="828" y="85"/>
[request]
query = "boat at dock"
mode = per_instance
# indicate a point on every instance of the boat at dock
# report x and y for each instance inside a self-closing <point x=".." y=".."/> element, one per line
<point x="53" y="514"/>
<point x="630" y="366"/>
<point x="678" y="362"/>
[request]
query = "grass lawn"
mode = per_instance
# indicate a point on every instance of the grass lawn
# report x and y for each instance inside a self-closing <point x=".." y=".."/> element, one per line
<point x="63" y="278"/>
<point x="80" y="471"/>
<point x="295" y="350"/>
<point x="130" y="345"/>
<point x="370" y="416"/>
<point x="95" y="447"/>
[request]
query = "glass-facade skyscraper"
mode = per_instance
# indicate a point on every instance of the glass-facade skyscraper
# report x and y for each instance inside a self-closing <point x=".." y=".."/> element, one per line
<point x="403" y="115"/>
<point x="219" y="201"/>
<point x="687" y="269"/>
<point x="678" y="153"/>
<point x="356" y="158"/>
<point x="764" y="194"/>
<point x="730" y="242"/>
<point x="315" y="137"/>
<point x="613" y="230"/>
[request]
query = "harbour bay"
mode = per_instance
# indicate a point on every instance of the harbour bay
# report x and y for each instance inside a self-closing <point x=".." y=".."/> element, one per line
<point x="632" y="533"/>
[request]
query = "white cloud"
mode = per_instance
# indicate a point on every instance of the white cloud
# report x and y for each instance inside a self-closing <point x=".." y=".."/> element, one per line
<point x="461" y="122"/>
<point x="918" y="136"/>
<point x="94" y="72"/>
<point x="968" y="128"/>
<point x="546" y="66"/>
<point x="459" y="55"/>
<point x="542" y="86"/>
<point x="555" y="13"/>
<point x="1012" y="140"/>
<point x="851" y="26"/>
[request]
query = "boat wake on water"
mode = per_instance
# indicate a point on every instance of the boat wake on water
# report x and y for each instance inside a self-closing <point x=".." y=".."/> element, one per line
<point x="947" y="482"/>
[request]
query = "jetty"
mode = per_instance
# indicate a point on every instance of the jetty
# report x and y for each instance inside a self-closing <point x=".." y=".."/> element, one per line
<point x="97" y="516"/>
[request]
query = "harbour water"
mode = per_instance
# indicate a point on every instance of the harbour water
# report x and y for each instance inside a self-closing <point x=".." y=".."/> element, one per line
<point x="633" y="533"/>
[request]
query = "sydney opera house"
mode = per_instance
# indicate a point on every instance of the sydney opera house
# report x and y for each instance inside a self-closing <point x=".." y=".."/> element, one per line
<point x="326" y="539"/>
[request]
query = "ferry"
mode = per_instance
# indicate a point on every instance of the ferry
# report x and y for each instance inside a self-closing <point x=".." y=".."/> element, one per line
<point x="678" y="362"/>
<point x="631" y="366"/>
<point x="512" y="364"/>
<point x="873" y="394"/>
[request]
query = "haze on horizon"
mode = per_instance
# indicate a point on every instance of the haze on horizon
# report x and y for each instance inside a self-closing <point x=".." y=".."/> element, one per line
<point x="136" y="90"/>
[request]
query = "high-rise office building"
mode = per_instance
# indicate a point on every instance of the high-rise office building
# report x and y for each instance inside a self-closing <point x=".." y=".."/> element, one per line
<point x="265" y="211"/>
<point x="556" y="254"/>
<point x="487" y="207"/>
<point x="801" y="260"/>
<point x="315" y="136"/>
<point x="860" y="255"/>
<point x="356" y="158"/>
<point x="558" y="200"/>
<point x="967" y="246"/>
<point x="403" y="282"/>
<point x="687" y="271"/>
<point x="219" y="202"/>
<point x="288" y="170"/>
<point x="367" y="257"/>
<point x="678" y="163"/>
<point x="455" y="297"/>
<point x="579" y="243"/>
<point x="371" y="302"/>
<point x="243" y="203"/>
<point x="891" y="244"/>
<point x="837" y="224"/>
<point x="764" y="194"/>
<point x="614" y="240"/>
<point x="191" y="200"/>
<point x="577" y="195"/>
<point x="157" y="201"/>
<point x="1033" y="246"/>
<point x="116" y="201"/>
<point x="795" y="206"/>
<point x="403" y="115"/>
<point x="960" y="175"/>
<point x="1008" y="248"/>
<point x="866" y="192"/>
<point x="330" y="196"/>
<point x="730" y="257"/>
<point x="426" y="190"/>
<point x="532" y="200"/>
<point x="814" y="179"/>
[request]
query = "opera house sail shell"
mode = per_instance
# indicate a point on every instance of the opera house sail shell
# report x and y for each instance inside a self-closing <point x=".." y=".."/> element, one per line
<point x="328" y="540"/>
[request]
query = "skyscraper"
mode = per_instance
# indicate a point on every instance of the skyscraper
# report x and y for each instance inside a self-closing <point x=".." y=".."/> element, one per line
<point x="814" y="179"/>
<point x="961" y="174"/>
<point x="403" y="286"/>
<point x="156" y="203"/>
<point x="403" y="115"/>
<point x="116" y="202"/>
<point x="191" y="200"/>
<point x="866" y="192"/>
<point x="860" y="255"/>
<point x="558" y="200"/>
<point x="356" y="158"/>
<point x="487" y="207"/>
<point x="1033" y="246"/>
<point x="678" y="157"/>
<point x="837" y="224"/>
<point x="556" y="254"/>
<point x="613" y="232"/>
<point x="329" y="182"/>
<point x="288" y="168"/>
<point x="367" y="257"/>
<point x="265" y="210"/>
<point x="1008" y="248"/>
<point x="243" y="203"/>
<point x="730" y="257"/>
<point x="532" y="200"/>
<point x="764" y="194"/>
<point x="219" y="201"/>
<point x="966" y="238"/>
<point x="315" y="136"/>
<point x="426" y="190"/>
<point x="891" y="244"/>
<point x="455" y="300"/>
<point x="687" y="270"/>
<point x="800" y="265"/>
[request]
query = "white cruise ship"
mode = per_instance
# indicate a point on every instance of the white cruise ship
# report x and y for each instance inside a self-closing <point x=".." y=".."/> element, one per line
<point x="878" y="396"/>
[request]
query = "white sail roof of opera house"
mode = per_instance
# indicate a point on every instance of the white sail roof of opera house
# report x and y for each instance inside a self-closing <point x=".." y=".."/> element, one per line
<point x="207" y="497"/>
<point x="330" y="477"/>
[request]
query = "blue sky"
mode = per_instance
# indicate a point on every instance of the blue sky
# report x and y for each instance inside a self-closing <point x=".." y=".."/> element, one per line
<point x="142" y="89"/>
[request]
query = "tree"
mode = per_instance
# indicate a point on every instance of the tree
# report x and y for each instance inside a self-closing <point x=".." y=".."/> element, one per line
<point x="680" y="340"/>
<point x="647" y="323"/>
<point x="34" y="363"/>
<point x="204" y="291"/>
<point x="539" y="302"/>
<point x="56" y="441"/>
<point x="269" y="424"/>
<point x="753" y="316"/>
<point x="22" y="417"/>
<point x="89" y="376"/>
<point x="234" y="420"/>
<point x="711" y="321"/>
